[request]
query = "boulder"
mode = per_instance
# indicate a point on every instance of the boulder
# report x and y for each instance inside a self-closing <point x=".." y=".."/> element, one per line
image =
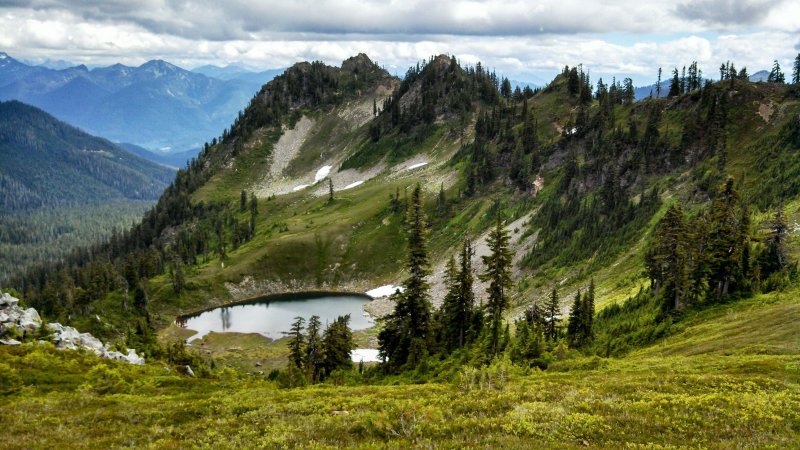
<point x="7" y="301"/>
<point x="90" y="342"/>
<point x="189" y="371"/>
<point x="10" y="342"/>
<point x="133" y="358"/>
<point x="29" y="320"/>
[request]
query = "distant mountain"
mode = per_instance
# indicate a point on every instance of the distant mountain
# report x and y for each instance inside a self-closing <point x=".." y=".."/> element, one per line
<point x="761" y="75"/>
<point x="45" y="162"/>
<point x="155" y="105"/>
<point x="172" y="159"/>
<point x="236" y="72"/>
<point x="644" y="91"/>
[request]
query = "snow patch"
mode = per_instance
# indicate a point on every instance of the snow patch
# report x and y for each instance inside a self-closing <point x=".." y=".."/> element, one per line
<point x="322" y="173"/>
<point x="365" y="355"/>
<point x="297" y="188"/>
<point x="384" y="291"/>
<point x="352" y="185"/>
<point x="417" y="165"/>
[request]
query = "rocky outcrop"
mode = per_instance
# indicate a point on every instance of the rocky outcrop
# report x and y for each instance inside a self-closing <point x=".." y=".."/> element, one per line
<point x="25" y="322"/>
<point x="14" y="318"/>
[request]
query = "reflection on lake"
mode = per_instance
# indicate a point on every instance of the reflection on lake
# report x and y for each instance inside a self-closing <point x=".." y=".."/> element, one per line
<point x="273" y="316"/>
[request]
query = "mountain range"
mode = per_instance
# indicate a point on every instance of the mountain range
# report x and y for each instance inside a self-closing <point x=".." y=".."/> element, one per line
<point x="156" y="105"/>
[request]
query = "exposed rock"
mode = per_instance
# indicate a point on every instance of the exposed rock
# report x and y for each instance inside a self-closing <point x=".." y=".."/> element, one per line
<point x="27" y="321"/>
<point x="189" y="371"/>
<point x="7" y="301"/>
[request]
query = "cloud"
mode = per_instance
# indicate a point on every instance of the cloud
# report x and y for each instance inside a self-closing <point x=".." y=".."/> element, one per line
<point x="521" y="39"/>
<point x="726" y="12"/>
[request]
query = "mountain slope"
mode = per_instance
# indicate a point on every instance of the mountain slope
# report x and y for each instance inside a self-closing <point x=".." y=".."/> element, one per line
<point x="155" y="105"/>
<point x="51" y="163"/>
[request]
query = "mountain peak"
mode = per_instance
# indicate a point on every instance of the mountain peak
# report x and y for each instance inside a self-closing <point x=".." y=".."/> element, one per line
<point x="358" y="63"/>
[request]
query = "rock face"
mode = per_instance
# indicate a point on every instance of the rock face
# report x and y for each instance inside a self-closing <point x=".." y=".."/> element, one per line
<point x="27" y="321"/>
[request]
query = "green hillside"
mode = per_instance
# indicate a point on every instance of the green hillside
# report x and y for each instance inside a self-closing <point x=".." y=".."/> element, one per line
<point x="61" y="189"/>
<point x="652" y="258"/>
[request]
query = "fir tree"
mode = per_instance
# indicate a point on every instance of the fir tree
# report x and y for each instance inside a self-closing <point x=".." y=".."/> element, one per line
<point x="552" y="316"/>
<point x="243" y="201"/>
<point x="253" y="214"/>
<point x="675" y="85"/>
<point x="296" y="342"/>
<point x="313" y="354"/>
<point x="658" y="84"/>
<point x="461" y="322"/>
<point x="406" y="329"/>
<point x="574" y="322"/>
<point x="498" y="274"/>
<point x="775" y="75"/>
<point x="796" y="70"/>
<point x="775" y="256"/>
<point x="666" y="259"/>
<point x="337" y="344"/>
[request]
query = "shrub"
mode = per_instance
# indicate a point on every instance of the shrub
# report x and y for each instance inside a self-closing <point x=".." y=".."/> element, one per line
<point x="10" y="382"/>
<point x="104" y="380"/>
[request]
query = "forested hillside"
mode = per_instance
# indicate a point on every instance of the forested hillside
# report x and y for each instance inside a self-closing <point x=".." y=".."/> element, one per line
<point x="53" y="175"/>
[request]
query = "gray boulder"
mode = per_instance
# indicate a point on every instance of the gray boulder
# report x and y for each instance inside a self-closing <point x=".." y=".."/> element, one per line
<point x="29" y="321"/>
<point x="7" y="301"/>
<point x="10" y="342"/>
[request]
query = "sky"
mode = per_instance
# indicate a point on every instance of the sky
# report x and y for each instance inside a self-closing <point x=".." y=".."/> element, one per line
<point x="524" y="40"/>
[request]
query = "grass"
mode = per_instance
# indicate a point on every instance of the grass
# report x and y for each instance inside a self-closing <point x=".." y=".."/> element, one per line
<point x="705" y="386"/>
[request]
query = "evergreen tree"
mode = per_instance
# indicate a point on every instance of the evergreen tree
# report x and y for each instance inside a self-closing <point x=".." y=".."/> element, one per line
<point x="296" y="342"/>
<point x="775" y="256"/>
<point x="574" y="322"/>
<point x="461" y="320"/>
<point x="675" y="85"/>
<point x="552" y="316"/>
<point x="406" y="330"/>
<point x="588" y="314"/>
<point x="243" y="201"/>
<point x="498" y="274"/>
<point x="796" y="70"/>
<point x="658" y="84"/>
<point x="313" y="355"/>
<point x="725" y="238"/>
<point x="337" y="345"/>
<point x="330" y="189"/>
<point x="775" y="75"/>
<point x="666" y="259"/>
<point x="253" y="214"/>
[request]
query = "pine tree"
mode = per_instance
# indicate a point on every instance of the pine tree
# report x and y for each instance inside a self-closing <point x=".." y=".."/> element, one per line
<point x="461" y="320"/>
<point x="313" y="354"/>
<point x="552" y="316"/>
<point x="775" y="256"/>
<point x="666" y="258"/>
<point x="588" y="314"/>
<point x="243" y="201"/>
<point x="498" y="274"/>
<point x="675" y="85"/>
<point x="796" y="70"/>
<point x="658" y="84"/>
<point x="775" y="75"/>
<point x="574" y="322"/>
<point x="337" y="345"/>
<point x="406" y="329"/>
<point x="296" y="342"/>
<point x="725" y="246"/>
<point x="253" y="214"/>
<point x="330" y="190"/>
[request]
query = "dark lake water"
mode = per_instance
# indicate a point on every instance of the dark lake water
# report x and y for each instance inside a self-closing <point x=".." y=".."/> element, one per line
<point x="273" y="316"/>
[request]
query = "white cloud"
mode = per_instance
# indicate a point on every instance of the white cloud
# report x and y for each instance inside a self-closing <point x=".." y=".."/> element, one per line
<point x="522" y="39"/>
